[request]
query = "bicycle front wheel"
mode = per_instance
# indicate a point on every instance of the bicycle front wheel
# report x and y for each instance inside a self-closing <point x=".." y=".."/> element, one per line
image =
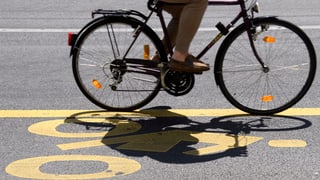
<point x="109" y="66"/>
<point x="291" y="65"/>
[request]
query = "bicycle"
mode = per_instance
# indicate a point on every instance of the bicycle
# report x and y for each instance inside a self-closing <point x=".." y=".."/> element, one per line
<point x="264" y="65"/>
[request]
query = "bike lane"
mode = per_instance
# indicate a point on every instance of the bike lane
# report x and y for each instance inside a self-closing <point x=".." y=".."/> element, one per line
<point x="228" y="133"/>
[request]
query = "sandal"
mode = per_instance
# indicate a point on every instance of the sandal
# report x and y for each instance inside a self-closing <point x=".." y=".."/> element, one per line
<point x="191" y="65"/>
<point x="197" y="60"/>
<point x="157" y="58"/>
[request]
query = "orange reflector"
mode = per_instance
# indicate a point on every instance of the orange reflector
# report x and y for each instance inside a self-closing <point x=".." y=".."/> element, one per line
<point x="146" y="51"/>
<point x="96" y="84"/>
<point x="267" y="98"/>
<point x="269" y="39"/>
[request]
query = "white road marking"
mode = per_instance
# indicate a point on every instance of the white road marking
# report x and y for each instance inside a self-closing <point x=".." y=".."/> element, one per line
<point x="66" y="30"/>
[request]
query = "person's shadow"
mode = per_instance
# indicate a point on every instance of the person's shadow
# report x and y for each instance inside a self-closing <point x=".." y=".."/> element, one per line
<point x="173" y="138"/>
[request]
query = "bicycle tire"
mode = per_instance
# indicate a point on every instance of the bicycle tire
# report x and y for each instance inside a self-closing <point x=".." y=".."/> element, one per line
<point x="99" y="50"/>
<point x="289" y="55"/>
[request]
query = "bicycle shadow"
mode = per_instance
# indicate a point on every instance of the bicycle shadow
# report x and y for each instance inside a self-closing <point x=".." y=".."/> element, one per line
<point x="175" y="138"/>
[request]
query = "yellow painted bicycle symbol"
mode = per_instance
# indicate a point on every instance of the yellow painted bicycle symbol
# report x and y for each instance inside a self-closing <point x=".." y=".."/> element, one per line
<point x="120" y="130"/>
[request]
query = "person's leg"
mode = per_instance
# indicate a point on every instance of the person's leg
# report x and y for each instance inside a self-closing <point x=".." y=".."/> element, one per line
<point x="182" y="28"/>
<point x="186" y="19"/>
<point x="173" y="25"/>
<point x="189" y="23"/>
<point x="172" y="28"/>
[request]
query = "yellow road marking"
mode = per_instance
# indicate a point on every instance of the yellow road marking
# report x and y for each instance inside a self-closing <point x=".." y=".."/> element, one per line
<point x="287" y="143"/>
<point x="150" y="142"/>
<point x="49" y="128"/>
<point x="30" y="168"/>
<point x="145" y="113"/>
<point x="164" y="141"/>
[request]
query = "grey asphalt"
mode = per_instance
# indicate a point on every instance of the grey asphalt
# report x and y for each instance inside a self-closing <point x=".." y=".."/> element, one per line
<point x="36" y="74"/>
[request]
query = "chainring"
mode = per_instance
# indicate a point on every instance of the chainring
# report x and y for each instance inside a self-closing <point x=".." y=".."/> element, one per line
<point x="178" y="83"/>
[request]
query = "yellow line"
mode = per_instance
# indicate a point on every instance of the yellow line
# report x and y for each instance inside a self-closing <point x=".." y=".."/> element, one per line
<point x="144" y="113"/>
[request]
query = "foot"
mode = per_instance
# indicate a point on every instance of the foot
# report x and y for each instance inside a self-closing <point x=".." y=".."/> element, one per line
<point x="197" y="60"/>
<point x="190" y="64"/>
<point x="156" y="58"/>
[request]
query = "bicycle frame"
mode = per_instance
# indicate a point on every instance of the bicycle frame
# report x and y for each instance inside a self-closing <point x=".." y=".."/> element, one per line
<point x="224" y="30"/>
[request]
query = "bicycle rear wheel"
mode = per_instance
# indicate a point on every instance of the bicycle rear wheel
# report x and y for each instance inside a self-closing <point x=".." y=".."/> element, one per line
<point x="108" y="72"/>
<point x="286" y="51"/>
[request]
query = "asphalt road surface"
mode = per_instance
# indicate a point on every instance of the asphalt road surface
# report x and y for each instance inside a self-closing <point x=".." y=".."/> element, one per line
<point x="49" y="130"/>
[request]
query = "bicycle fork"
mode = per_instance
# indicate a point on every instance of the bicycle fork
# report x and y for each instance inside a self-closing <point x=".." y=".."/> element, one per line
<point x="252" y="34"/>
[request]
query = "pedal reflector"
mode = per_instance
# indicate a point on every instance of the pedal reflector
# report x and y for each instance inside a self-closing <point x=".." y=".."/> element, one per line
<point x="96" y="84"/>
